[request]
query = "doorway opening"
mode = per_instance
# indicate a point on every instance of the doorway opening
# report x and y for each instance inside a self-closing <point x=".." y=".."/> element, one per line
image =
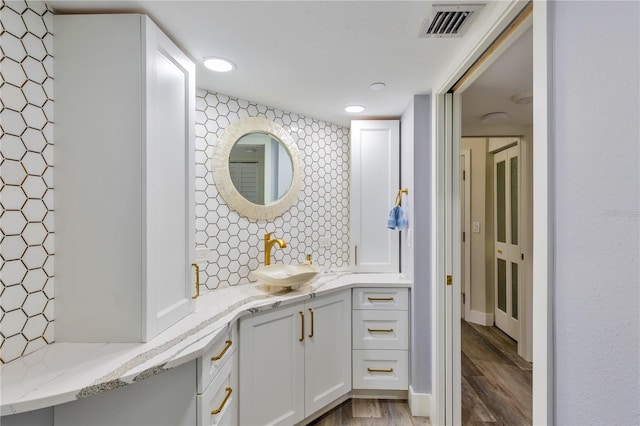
<point x="495" y="257"/>
<point x="448" y="222"/>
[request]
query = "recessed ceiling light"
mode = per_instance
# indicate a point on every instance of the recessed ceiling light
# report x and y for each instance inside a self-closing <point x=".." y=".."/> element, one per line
<point x="495" y="117"/>
<point x="219" y="64"/>
<point x="354" y="108"/>
<point x="377" y="86"/>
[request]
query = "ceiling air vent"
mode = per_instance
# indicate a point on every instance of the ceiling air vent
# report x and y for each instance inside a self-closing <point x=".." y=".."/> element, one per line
<point x="449" y="20"/>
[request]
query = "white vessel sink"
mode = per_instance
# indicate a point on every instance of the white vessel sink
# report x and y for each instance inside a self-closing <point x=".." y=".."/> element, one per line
<point x="281" y="275"/>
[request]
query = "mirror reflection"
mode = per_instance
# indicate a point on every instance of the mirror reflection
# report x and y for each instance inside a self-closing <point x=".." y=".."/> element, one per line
<point x="261" y="168"/>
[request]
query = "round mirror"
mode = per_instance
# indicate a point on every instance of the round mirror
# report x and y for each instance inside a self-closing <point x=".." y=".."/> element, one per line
<point x="260" y="168"/>
<point x="257" y="168"/>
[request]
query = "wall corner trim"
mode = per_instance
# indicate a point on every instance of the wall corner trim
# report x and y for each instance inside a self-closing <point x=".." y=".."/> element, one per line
<point x="419" y="403"/>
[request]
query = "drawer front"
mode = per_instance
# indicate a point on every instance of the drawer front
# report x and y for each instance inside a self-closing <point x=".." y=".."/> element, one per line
<point x="380" y="369"/>
<point x="218" y="405"/>
<point x="212" y="361"/>
<point x="380" y="330"/>
<point x="381" y="298"/>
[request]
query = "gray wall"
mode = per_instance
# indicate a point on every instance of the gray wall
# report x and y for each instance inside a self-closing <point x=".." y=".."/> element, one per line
<point x="595" y="141"/>
<point x="416" y="143"/>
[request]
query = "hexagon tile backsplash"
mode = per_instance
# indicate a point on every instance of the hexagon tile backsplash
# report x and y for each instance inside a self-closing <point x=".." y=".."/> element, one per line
<point x="26" y="173"/>
<point x="322" y="209"/>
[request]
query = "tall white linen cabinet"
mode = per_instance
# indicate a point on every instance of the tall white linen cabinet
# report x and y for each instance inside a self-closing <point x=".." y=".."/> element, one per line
<point x="375" y="180"/>
<point x="124" y="179"/>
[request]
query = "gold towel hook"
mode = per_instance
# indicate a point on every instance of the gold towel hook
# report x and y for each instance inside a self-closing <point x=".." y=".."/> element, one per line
<point x="399" y="196"/>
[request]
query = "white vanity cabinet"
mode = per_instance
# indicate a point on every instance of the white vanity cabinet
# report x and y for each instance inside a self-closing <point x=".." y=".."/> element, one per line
<point x="217" y="387"/>
<point x="295" y="360"/>
<point x="381" y="338"/>
<point x="375" y="180"/>
<point x="125" y="108"/>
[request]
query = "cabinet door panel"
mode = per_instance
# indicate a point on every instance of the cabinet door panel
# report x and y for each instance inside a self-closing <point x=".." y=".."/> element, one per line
<point x="272" y="368"/>
<point x="327" y="351"/>
<point x="169" y="182"/>
<point x="375" y="180"/>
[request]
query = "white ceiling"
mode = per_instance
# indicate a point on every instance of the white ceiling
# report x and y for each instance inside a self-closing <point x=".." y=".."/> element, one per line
<point x="309" y="57"/>
<point x="509" y="75"/>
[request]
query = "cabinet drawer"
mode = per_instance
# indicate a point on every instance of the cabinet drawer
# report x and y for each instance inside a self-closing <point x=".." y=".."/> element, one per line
<point x="222" y="395"/>
<point x="380" y="330"/>
<point x="381" y="298"/>
<point x="380" y="369"/>
<point x="212" y="361"/>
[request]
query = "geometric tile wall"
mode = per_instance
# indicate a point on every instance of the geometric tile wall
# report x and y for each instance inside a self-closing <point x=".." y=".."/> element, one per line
<point x="26" y="178"/>
<point x="322" y="209"/>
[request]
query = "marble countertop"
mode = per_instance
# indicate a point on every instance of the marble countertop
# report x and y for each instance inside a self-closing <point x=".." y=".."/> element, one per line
<point x="64" y="372"/>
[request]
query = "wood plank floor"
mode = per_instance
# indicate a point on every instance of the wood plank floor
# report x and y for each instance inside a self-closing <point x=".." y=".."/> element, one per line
<point x="496" y="381"/>
<point x="371" y="412"/>
<point x="496" y="388"/>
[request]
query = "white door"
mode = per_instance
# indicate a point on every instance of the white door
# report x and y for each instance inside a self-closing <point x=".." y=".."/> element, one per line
<point x="327" y="350"/>
<point x="447" y="340"/>
<point x="272" y="367"/>
<point x="507" y="236"/>
<point x="375" y="180"/>
<point x="170" y="181"/>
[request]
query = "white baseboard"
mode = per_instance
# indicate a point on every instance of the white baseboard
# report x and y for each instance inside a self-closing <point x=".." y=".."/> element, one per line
<point x="419" y="403"/>
<point x="481" y="318"/>
<point x="379" y="394"/>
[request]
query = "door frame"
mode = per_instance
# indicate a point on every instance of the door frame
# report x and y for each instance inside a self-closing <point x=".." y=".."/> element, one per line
<point x="446" y="119"/>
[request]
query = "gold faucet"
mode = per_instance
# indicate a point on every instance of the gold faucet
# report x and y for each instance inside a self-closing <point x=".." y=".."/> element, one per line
<point x="268" y="245"/>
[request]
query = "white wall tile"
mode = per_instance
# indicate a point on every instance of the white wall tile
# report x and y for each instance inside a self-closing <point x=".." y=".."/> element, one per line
<point x="26" y="176"/>
<point x="322" y="208"/>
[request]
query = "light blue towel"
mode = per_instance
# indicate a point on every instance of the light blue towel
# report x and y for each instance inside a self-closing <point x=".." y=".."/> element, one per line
<point x="397" y="220"/>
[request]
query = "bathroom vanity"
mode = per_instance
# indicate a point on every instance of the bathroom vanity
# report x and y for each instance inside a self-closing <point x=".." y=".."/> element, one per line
<point x="174" y="378"/>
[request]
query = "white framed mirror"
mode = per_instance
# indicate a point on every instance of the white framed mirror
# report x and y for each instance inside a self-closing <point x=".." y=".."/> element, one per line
<point x="257" y="168"/>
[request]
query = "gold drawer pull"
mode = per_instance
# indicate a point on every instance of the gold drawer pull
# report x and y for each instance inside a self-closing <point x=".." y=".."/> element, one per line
<point x="301" y="339"/>
<point x="195" y="265"/>
<point x="373" y="330"/>
<point x="224" y="401"/>
<point x="373" y="370"/>
<point x="311" y="311"/>
<point x="380" y="299"/>
<point x="227" y="345"/>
